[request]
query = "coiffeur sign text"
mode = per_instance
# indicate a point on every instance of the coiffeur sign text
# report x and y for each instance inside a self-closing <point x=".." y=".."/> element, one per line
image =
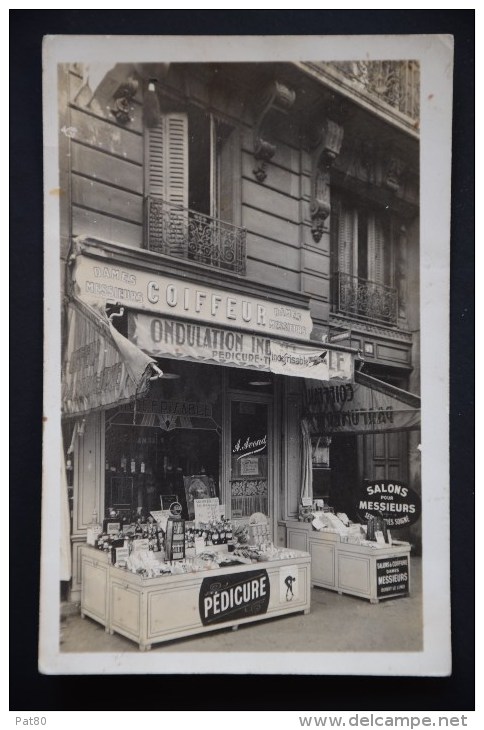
<point x="97" y="282"/>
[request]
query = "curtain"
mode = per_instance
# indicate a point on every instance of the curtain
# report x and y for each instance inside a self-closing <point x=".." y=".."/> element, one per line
<point x="307" y="468"/>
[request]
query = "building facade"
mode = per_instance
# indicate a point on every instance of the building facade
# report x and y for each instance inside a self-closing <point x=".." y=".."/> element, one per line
<point x="211" y="213"/>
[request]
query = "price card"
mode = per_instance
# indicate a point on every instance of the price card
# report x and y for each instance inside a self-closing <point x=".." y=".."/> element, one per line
<point x="207" y="510"/>
<point x="120" y="554"/>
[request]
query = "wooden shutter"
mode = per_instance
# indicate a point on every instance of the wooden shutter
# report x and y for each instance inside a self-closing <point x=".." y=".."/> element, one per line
<point x="346" y="239"/>
<point x="226" y="172"/>
<point x="376" y="250"/>
<point x="166" y="165"/>
<point x="176" y="136"/>
<point x="155" y="161"/>
<point x="167" y="159"/>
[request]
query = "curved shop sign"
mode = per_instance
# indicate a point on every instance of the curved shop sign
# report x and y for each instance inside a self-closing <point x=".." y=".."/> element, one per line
<point x="98" y="281"/>
<point x="236" y="596"/>
<point x="399" y="505"/>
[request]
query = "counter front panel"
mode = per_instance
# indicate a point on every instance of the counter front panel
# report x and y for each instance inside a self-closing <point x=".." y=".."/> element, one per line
<point x="374" y="573"/>
<point x="151" y="610"/>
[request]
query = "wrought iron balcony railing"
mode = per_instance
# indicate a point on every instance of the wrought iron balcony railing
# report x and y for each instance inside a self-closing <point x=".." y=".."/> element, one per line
<point x="187" y="234"/>
<point x="395" y="82"/>
<point x="364" y="299"/>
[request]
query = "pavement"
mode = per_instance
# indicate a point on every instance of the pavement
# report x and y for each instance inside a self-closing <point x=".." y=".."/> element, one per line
<point x="335" y="623"/>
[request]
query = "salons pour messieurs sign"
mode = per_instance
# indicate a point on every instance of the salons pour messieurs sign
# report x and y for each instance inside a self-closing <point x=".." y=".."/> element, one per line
<point x="97" y="281"/>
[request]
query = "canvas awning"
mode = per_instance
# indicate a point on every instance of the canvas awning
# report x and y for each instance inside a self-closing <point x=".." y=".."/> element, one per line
<point x="101" y="368"/>
<point x="164" y="337"/>
<point x="368" y="405"/>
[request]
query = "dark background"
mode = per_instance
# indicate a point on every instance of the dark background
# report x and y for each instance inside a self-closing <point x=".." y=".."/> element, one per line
<point x="28" y="689"/>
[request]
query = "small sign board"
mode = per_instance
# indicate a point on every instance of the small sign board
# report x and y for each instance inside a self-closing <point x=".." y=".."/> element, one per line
<point x="111" y="527"/>
<point x="120" y="554"/>
<point x="399" y="505"/>
<point x="207" y="510"/>
<point x="236" y="596"/>
<point x="166" y="500"/>
<point x="392" y="576"/>
<point x="249" y="466"/>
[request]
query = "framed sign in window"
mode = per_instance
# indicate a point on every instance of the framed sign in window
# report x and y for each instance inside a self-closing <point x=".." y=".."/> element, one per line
<point x="249" y="466"/>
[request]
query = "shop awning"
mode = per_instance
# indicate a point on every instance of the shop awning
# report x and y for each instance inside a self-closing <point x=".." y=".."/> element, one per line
<point x="368" y="405"/>
<point x="101" y="367"/>
<point x="196" y="342"/>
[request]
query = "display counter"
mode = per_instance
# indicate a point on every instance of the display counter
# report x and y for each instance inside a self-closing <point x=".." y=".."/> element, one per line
<point x="153" y="610"/>
<point x="374" y="573"/>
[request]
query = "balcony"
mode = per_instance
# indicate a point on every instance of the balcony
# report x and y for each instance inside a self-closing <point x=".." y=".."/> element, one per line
<point x="364" y="299"/>
<point x="187" y="234"/>
<point x="396" y="83"/>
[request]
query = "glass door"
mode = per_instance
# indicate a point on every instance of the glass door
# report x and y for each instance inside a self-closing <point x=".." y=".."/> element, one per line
<point x="250" y="475"/>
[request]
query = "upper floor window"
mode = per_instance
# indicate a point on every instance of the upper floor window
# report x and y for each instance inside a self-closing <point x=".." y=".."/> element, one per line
<point x="363" y="261"/>
<point x="191" y="190"/>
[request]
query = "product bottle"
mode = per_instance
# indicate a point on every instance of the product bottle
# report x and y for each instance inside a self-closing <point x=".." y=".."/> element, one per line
<point x="156" y="541"/>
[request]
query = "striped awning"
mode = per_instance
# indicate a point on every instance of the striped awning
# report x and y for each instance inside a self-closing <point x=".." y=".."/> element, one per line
<point x="101" y="368"/>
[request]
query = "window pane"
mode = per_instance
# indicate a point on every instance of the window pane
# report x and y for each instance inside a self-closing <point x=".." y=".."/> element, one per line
<point x="249" y="448"/>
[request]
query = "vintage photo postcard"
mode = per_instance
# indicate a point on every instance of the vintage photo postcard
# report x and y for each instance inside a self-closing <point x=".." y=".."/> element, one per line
<point x="246" y="355"/>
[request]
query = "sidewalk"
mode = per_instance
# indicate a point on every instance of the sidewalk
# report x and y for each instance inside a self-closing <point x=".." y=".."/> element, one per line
<point x="336" y="623"/>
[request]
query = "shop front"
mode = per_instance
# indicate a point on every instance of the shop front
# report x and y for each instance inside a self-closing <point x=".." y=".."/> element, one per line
<point x="181" y="393"/>
<point x="191" y="418"/>
<point x="360" y="434"/>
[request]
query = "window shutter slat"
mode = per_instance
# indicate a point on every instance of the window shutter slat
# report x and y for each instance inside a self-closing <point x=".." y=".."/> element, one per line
<point x="156" y="161"/>
<point x="379" y="252"/>
<point x="176" y="187"/>
<point x="177" y="159"/>
<point x="371" y="248"/>
<point x="345" y="240"/>
<point x="376" y="250"/>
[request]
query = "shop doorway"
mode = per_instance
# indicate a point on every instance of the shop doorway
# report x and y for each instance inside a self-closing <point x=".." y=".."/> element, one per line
<point x="344" y="473"/>
<point x="250" y="457"/>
